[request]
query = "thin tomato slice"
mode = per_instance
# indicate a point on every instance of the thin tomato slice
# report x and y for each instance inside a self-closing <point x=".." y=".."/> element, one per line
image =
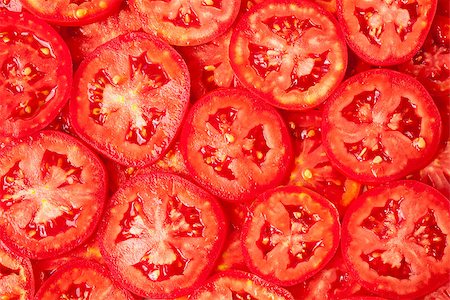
<point x="162" y="235"/>
<point x="290" y="234"/>
<point x="395" y="239"/>
<point x="71" y="12"/>
<point x="129" y="98"/>
<point x="186" y="22"/>
<point x="386" y="32"/>
<point x="35" y="74"/>
<point x="52" y="194"/>
<point x="234" y="285"/>
<point x="235" y="145"/>
<point x="290" y="53"/>
<point x="380" y="125"/>
<point x="81" y="279"/>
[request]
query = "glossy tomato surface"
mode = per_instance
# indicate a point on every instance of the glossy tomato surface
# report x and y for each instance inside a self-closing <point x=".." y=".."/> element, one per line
<point x="290" y="234"/>
<point x="395" y="239"/>
<point x="380" y="125"/>
<point x="161" y="235"/>
<point x="290" y="53"/>
<point x="235" y="145"/>
<point x="129" y="98"/>
<point x="52" y="194"/>
<point x="35" y="74"/>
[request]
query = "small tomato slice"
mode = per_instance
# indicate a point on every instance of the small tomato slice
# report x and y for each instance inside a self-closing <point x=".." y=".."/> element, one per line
<point x="81" y="279"/>
<point x="186" y="22"/>
<point x="35" y="74"/>
<point x="290" y="53"/>
<point x="129" y="98"/>
<point x="290" y="234"/>
<point x="395" y="239"/>
<point x="51" y="196"/>
<point x="162" y="235"/>
<point x="234" y="285"/>
<point x="71" y="12"/>
<point x="11" y="5"/>
<point x="386" y="32"/>
<point x="235" y="145"/>
<point x="380" y="125"/>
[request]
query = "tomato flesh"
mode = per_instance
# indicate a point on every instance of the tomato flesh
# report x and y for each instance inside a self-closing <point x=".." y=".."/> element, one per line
<point x="11" y="5"/>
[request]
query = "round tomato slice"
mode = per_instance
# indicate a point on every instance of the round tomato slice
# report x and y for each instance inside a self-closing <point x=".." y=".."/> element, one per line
<point x="35" y="74"/>
<point x="386" y="32"/>
<point x="380" y="125"/>
<point x="52" y="194"/>
<point x="312" y="168"/>
<point x="162" y="235"/>
<point x="235" y="145"/>
<point x="186" y="22"/>
<point x="235" y="285"/>
<point x="290" y="234"/>
<point x="71" y="12"/>
<point x="129" y="98"/>
<point x="11" y="5"/>
<point x="81" y="279"/>
<point x="395" y="239"/>
<point x="16" y="276"/>
<point x="290" y="53"/>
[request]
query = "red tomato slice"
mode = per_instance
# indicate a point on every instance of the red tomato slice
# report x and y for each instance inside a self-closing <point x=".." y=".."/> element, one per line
<point x="72" y="12"/>
<point x="186" y="22"/>
<point x="380" y="125"/>
<point x="129" y="98"/>
<point x="35" y="74"/>
<point x="162" y="235"/>
<point x="312" y="168"/>
<point x="290" y="234"/>
<point x="386" y="32"/>
<point x="234" y="285"/>
<point x="235" y="145"/>
<point x="81" y="279"/>
<point x="395" y="239"/>
<point x="16" y="276"/>
<point x="52" y="194"/>
<point x="11" y="5"/>
<point x="290" y="53"/>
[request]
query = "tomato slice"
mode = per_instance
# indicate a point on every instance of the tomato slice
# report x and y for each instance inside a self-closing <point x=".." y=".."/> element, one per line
<point x="52" y="194"/>
<point x="442" y="293"/>
<point x="246" y="5"/>
<point x="290" y="53"/>
<point x="329" y="5"/>
<point x="162" y="235"/>
<point x="186" y="22"/>
<point x="386" y="32"/>
<point x="35" y="74"/>
<point x="129" y="98"/>
<point x="81" y="279"/>
<point x="231" y="257"/>
<point x="16" y="276"/>
<point x="290" y="234"/>
<point x="380" y="125"/>
<point x="234" y="285"/>
<point x="312" y="168"/>
<point x="11" y="5"/>
<point x="395" y="239"/>
<point x="235" y="145"/>
<point x="71" y="12"/>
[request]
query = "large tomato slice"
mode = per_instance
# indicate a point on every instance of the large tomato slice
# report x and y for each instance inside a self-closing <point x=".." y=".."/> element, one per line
<point x="187" y="22"/>
<point x="130" y="97"/>
<point x="235" y="145"/>
<point x="395" y="239"/>
<point x="380" y="125"/>
<point x="81" y="280"/>
<point x="386" y="32"/>
<point x="71" y="12"/>
<point x="51" y="195"/>
<point x="236" y="285"/>
<point x="290" y="234"/>
<point x="162" y="235"/>
<point x="291" y="53"/>
<point x="16" y="276"/>
<point x="35" y="74"/>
